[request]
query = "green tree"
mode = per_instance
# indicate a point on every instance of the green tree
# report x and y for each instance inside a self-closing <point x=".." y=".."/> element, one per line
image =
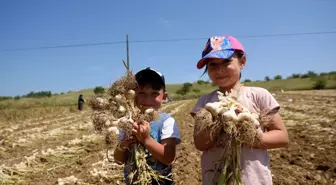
<point x="40" y="94"/>
<point x="305" y="76"/>
<point x="184" y="89"/>
<point x="99" y="90"/>
<point x="295" y="75"/>
<point x="320" y="83"/>
<point x="196" y="90"/>
<point x="332" y="73"/>
<point x="278" y="77"/>
<point x="323" y="74"/>
<point x="200" y="82"/>
<point x="5" y="98"/>
<point x="311" y="74"/>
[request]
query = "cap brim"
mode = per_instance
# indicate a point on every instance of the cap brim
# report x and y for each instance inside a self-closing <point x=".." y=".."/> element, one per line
<point x="223" y="54"/>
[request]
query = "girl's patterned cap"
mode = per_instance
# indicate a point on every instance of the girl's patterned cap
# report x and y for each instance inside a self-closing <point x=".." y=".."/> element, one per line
<point x="219" y="47"/>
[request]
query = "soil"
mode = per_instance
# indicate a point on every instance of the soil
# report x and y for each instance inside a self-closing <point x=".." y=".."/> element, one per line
<point x="75" y="150"/>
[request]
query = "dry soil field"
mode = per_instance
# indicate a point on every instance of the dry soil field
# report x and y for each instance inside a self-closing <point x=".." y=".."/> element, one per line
<point x="63" y="148"/>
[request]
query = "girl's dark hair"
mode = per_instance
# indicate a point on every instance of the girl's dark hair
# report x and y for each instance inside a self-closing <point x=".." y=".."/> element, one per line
<point x="237" y="53"/>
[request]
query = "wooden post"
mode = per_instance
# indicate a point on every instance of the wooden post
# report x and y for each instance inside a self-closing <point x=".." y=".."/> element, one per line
<point x="127" y="52"/>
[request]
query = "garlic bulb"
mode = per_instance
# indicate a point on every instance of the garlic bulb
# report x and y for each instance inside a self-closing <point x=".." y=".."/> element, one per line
<point x="115" y="123"/>
<point x="130" y="94"/>
<point x="107" y="123"/>
<point x="118" y="98"/>
<point x="149" y="111"/>
<point x="245" y="116"/>
<point x="214" y="107"/>
<point x="122" y="109"/>
<point x="230" y="115"/>
<point x="113" y="130"/>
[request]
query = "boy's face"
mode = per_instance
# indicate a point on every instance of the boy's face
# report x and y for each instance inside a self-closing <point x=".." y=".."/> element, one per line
<point x="147" y="97"/>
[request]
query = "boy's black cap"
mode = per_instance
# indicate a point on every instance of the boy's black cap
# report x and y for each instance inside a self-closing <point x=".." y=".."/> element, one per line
<point x="150" y="72"/>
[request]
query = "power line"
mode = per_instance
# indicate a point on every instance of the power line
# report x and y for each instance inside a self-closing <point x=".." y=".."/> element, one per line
<point x="165" y="40"/>
<point x="65" y="46"/>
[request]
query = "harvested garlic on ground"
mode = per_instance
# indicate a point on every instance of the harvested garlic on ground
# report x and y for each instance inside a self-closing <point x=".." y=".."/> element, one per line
<point x="122" y="109"/>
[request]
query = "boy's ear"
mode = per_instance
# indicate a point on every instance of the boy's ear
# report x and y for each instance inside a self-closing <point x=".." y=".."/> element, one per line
<point x="165" y="95"/>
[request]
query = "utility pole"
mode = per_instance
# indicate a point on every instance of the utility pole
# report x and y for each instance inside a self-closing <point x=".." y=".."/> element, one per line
<point x="127" y="51"/>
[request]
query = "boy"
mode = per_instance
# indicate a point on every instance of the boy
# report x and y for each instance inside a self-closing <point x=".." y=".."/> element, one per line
<point x="161" y="136"/>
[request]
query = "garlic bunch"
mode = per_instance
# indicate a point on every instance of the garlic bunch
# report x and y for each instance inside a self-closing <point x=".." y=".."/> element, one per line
<point x="226" y="108"/>
<point x="239" y="125"/>
<point x="123" y="113"/>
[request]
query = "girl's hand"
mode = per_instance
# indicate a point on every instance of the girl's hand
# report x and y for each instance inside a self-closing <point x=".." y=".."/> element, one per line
<point x="141" y="131"/>
<point x="238" y="110"/>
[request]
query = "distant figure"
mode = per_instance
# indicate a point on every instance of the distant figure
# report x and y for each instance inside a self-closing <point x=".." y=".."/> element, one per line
<point x="80" y="102"/>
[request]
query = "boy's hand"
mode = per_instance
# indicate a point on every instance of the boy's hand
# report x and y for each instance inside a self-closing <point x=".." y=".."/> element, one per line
<point x="141" y="131"/>
<point x="127" y="142"/>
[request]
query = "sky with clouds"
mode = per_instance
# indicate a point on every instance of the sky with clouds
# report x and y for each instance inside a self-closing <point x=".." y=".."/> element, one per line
<point x="185" y="24"/>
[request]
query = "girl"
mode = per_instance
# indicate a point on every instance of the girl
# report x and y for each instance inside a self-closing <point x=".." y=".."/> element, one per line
<point x="223" y="58"/>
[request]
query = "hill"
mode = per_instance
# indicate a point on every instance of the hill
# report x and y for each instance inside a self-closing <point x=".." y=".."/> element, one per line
<point x="196" y="89"/>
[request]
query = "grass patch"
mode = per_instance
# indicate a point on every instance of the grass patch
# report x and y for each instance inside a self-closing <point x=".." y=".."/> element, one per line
<point x="291" y="84"/>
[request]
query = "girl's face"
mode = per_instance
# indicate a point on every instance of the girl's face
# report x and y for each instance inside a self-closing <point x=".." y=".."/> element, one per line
<point x="225" y="72"/>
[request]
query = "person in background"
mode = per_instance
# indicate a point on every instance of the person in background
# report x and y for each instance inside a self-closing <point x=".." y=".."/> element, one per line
<point x="80" y="102"/>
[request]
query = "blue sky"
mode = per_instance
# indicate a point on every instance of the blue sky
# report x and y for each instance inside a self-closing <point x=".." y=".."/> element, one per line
<point x="30" y="24"/>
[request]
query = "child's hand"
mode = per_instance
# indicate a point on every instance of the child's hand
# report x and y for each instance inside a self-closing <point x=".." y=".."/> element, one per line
<point x="238" y="111"/>
<point x="124" y="145"/>
<point x="141" y="131"/>
<point x="127" y="142"/>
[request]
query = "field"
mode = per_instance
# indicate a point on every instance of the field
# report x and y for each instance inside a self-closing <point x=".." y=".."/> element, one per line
<point x="56" y="144"/>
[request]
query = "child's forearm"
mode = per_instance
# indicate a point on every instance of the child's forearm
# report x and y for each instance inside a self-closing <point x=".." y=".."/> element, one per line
<point x="273" y="139"/>
<point x="165" y="155"/>
<point x="202" y="139"/>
